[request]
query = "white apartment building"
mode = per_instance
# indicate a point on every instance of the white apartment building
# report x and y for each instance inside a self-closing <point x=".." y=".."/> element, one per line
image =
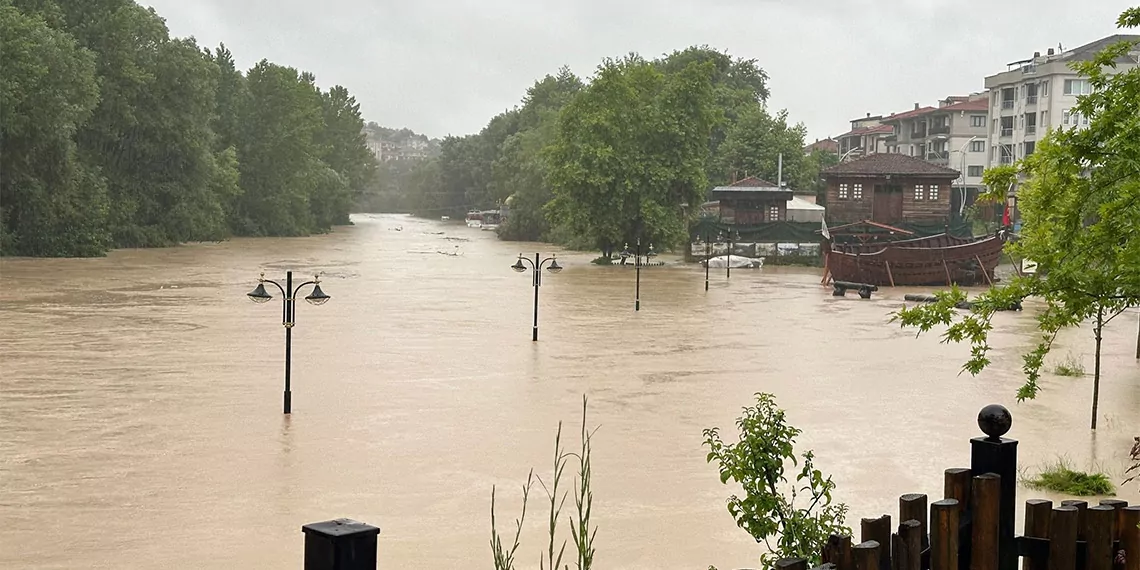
<point x="1039" y="93"/>
<point x="952" y="135"/>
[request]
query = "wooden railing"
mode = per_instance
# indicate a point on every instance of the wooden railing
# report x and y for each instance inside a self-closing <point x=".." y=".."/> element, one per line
<point x="972" y="526"/>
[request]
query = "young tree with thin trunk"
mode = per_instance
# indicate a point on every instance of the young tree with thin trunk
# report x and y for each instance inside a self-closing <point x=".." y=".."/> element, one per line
<point x="1080" y="206"/>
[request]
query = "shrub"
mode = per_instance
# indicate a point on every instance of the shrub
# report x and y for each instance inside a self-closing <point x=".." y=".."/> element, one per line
<point x="768" y="510"/>
<point x="1062" y="478"/>
<point x="1071" y="366"/>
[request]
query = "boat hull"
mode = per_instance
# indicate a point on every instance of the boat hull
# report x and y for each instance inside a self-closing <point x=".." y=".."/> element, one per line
<point x="938" y="260"/>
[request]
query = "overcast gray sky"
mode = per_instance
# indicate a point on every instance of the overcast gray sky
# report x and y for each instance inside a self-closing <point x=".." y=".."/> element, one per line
<point x="447" y="66"/>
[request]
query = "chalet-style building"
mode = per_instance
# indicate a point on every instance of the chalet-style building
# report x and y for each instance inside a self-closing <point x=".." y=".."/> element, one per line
<point x="889" y="189"/>
<point x="752" y="201"/>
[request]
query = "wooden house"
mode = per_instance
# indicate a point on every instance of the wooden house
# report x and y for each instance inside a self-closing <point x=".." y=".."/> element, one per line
<point x="752" y="201"/>
<point x="888" y="188"/>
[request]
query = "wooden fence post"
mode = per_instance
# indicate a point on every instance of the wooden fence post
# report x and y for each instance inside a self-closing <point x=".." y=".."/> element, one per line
<point x="791" y="564"/>
<point x="867" y="555"/>
<point x="1099" y="521"/>
<point x="1038" y="513"/>
<point x="984" y="552"/>
<point x="944" y="521"/>
<point x="1129" y="517"/>
<point x="878" y="531"/>
<point x="998" y="455"/>
<point x="912" y="506"/>
<point x="1063" y="538"/>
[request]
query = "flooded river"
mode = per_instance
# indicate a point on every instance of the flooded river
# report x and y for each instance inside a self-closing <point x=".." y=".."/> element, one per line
<point x="140" y="395"/>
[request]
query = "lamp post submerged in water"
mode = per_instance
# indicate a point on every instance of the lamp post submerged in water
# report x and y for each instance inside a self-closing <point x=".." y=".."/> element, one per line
<point x="536" y="279"/>
<point x="288" y="315"/>
<point x="637" y="267"/>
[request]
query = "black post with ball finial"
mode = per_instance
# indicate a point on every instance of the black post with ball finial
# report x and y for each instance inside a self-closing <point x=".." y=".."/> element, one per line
<point x="996" y="454"/>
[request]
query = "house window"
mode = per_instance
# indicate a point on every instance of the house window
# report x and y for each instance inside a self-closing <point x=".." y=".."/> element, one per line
<point x="858" y="193"/>
<point x="773" y="213"/>
<point x="919" y="192"/>
<point x="1077" y="87"/>
<point x="932" y="194"/>
<point x="977" y="146"/>
<point x="977" y="120"/>
<point x="842" y="191"/>
<point x="1065" y="117"/>
<point x="974" y="171"/>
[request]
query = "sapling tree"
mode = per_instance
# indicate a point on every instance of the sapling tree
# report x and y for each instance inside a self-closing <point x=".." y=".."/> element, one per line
<point x="1079" y="197"/>
<point x="792" y="518"/>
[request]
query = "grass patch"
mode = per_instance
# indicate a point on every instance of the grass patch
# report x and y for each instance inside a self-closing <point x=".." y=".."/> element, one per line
<point x="1062" y="478"/>
<point x="1071" y="366"/>
<point x="603" y="260"/>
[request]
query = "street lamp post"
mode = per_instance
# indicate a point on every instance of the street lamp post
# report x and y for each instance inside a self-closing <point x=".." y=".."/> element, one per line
<point x="288" y="315"/>
<point x="962" y="173"/>
<point x="732" y="236"/>
<point x="637" y="267"/>
<point x="708" y="256"/>
<point x="536" y="279"/>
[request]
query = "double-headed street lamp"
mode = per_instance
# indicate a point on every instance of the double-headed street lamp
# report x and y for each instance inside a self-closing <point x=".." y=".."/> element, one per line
<point x="536" y="279"/>
<point x="288" y="314"/>
<point x="637" y="264"/>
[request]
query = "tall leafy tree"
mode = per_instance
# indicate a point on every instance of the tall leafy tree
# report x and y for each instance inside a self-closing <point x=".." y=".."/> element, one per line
<point x="343" y="150"/>
<point x="1080" y="207"/>
<point x="630" y="152"/>
<point x="756" y="141"/>
<point x="51" y="204"/>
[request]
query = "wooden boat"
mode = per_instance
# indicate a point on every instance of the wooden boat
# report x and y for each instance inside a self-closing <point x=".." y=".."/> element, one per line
<point x="940" y="259"/>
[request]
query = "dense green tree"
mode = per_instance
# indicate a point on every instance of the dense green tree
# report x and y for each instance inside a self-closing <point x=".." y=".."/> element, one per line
<point x="755" y="142"/>
<point x="50" y="203"/>
<point x="343" y="149"/>
<point x="1080" y="209"/>
<point x="812" y="183"/>
<point x="279" y="155"/>
<point x="630" y="152"/>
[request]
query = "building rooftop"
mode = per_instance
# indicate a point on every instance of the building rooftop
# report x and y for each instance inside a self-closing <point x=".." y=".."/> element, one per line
<point x="880" y="129"/>
<point x="750" y="185"/>
<point x="892" y="164"/>
<point x="909" y="114"/>
<point x="975" y="105"/>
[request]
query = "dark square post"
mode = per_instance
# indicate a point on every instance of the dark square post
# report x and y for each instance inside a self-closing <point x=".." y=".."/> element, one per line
<point x="998" y="455"/>
<point x="340" y="544"/>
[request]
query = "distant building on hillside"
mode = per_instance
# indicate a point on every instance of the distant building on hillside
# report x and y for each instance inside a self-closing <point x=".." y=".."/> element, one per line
<point x="868" y="135"/>
<point x="826" y="145"/>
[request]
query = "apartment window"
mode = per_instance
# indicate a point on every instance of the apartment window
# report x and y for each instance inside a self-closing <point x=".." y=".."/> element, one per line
<point x="1084" y="119"/>
<point x="1044" y="89"/>
<point x="1028" y="148"/>
<point x="1065" y="117"/>
<point x="978" y="121"/>
<point x="1008" y="95"/>
<point x="1044" y="119"/>
<point x="774" y="214"/>
<point x="1030" y="93"/>
<point x="858" y="192"/>
<point x="932" y="193"/>
<point x="842" y="191"/>
<point x="974" y="171"/>
<point x="1006" y="126"/>
<point x="919" y="191"/>
<point x="1021" y="122"/>
<point x="1077" y="87"/>
<point x="977" y="146"/>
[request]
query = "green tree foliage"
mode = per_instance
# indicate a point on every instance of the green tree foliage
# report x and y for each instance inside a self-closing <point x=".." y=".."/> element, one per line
<point x="754" y="144"/>
<point x="768" y="512"/>
<point x="631" y="150"/>
<point x="153" y="141"/>
<point x="50" y="202"/>
<point x="1080" y="208"/>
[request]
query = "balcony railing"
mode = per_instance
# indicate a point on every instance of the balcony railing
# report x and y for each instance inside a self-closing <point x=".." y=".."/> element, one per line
<point x="938" y="155"/>
<point x="1031" y="129"/>
<point x="1031" y="100"/>
<point x="1007" y="104"/>
<point x="1007" y="132"/>
<point x="918" y="133"/>
<point x="1006" y="160"/>
<point x="940" y="130"/>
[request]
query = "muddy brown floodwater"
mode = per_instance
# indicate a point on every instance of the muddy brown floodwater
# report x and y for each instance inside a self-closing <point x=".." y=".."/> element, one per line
<point x="140" y="394"/>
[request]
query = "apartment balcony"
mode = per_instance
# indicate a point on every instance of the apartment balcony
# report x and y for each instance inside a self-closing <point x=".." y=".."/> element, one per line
<point x="940" y="130"/>
<point x="1031" y="130"/>
<point x="1007" y="104"/>
<point x="1006" y="160"/>
<point x="1031" y="100"/>
<point x="938" y="155"/>
<point x="1008" y="132"/>
<point x="918" y="133"/>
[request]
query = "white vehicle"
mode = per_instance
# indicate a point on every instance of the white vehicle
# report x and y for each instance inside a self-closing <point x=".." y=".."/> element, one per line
<point x="735" y="261"/>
